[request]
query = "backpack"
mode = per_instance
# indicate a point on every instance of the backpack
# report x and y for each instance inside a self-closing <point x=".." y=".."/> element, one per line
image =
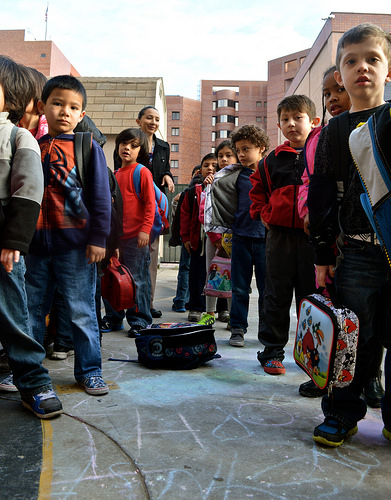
<point x="218" y="280"/>
<point x="83" y="146"/>
<point x="118" y="286"/>
<point x="160" y="222"/>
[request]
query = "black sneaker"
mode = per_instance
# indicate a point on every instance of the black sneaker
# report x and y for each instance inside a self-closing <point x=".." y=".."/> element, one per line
<point x="332" y="433"/>
<point x="134" y="331"/>
<point x="60" y="352"/>
<point x="155" y="313"/>
<point x="44" y="404"/>
<point x="106" y="327"/>
<point x="373" y="392"/>
<point x="311" y="390"/>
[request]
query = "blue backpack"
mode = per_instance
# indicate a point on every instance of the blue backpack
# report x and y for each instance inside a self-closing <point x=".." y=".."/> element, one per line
<point x="160" y="222"/>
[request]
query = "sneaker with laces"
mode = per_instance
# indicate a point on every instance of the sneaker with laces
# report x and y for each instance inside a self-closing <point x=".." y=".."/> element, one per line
<point x="194" y="316"/>
<point x="95" y="385"/>
<point x="44" y="404"/>
<point x="236" y="339"/>
<point x="60" y="352"/>
<point x="8" y="384"/>
<point x="386" y="433"/>
<point x="107" y="327"/>
<point x="274" y="367"/>
<point x="332" y="432"/>
<point x="207" y="319"/>
<point x="178" y="309"/>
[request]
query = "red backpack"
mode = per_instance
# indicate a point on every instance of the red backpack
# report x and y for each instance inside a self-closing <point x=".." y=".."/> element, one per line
<point x="118" y="286"/>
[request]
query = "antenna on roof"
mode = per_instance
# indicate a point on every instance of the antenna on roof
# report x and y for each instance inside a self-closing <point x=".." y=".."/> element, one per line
<point x="46" y="21"/>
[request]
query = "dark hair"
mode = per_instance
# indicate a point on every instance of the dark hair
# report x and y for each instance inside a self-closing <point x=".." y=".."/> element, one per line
<point x="298" y="102"/>
<point x="134" y="133"/>
<point x="38" y="81"/>
<point x="66" y="82"/>
<point x="253" y="133"/>
<point x="226" y="143"/>
<point x="143" y="111"/>
<point x="361" y="32"/>
<point x="16" y="88"/>
<point x="326" y="73"/>
<point x="209" y="156"/>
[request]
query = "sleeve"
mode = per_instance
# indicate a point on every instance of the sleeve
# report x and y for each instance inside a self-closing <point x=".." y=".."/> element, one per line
<point x="185" y="218"/>
<point x="148" y="199"/>
<point x="260" y="207"/>
<point x="163" y="158"/>
<point x="322" y="204"/>
<point x="26" y="183"/>
<point x="100" y="198"/>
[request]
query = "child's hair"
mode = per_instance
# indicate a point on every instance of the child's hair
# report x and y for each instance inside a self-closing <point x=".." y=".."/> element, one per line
<point x="134" y="133"/>
<point x="66" y="82"/>
<point x="38" y="81"/>
<point x="253" y="133"/>
<point x="16" y="87"/>
<point x="144" y="110"/>
<point x="324" y="109"/>
<point x="195" y="170"/>
<point x="223" y="144"/>
<point x="358" y="34"/>
<point x="209" y="156"/>
<point x="300" y="103"/>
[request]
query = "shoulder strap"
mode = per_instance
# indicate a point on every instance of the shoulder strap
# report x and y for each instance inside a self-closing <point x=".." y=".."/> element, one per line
<point x="13" y="140"/>
<point x="262" y="173"/>
<point x="339" y="139"/>
<point x="82" y="147"/>
<point x="137" y="179"/>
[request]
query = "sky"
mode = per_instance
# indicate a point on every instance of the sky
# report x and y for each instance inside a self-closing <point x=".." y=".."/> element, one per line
<point x="182" y="41"/>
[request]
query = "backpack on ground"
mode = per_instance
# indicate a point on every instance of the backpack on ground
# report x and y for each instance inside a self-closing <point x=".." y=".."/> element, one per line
<point x="176" y="346"/>
<point x="160" y="222"/>
<point x="326" y="340"/>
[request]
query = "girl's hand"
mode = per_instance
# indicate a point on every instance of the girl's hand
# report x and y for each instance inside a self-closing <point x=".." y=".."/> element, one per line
<point x="169" y="183"/>
<point x="208" y="179"/>
<point x="8" y="257"/>
<point x="143" y="239"/>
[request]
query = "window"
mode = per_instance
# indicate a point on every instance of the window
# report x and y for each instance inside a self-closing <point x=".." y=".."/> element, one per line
<point x="223" y="118"/>
<point x="213" y="136"/>
<point x="174" y="130"/>
<point x="236" y="121"/>
<point x="175" y="115"/>
<point x="223" y="103"/>
<point x="265" y="104"/>
<point x="259" y="104"/>
<point x="291" y="65"/>
<point x="174" y="163"/>
<point x="214" y="105"/>
<point x="258" y="119"/>
<point x="287" y="83"/>
<point x="175" y="148"/>
<point x="265" y="119"/>
<point x="213" y="121"/>
<point x="237" y="106"/>
<point x="223" y="134"/>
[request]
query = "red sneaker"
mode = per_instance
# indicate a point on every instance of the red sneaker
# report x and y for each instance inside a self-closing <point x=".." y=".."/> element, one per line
<point x="274" y="367"/>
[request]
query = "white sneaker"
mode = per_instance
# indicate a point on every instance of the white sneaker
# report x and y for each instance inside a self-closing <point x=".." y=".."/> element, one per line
<point x="8" y="384"/>
<point x="194" y="316"/>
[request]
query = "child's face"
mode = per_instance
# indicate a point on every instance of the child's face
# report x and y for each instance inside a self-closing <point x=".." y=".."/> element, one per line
<point x="209" y="166"/>
<point x="336" y="99"/>
<point x="248" y="153"/>
<point x="364" y="69"/>
<point x="2" y="101"/>
<point x="295" y="126"/>
<point x="226" y="157"/>
<point x="149" y="122"/>
<point x="63" y="110"/>
<point x="128" y="151"/>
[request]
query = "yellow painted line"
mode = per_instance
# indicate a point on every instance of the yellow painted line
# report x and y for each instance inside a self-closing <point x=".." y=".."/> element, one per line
<point x="45" y="482"/>
<point x="72" y="388"/>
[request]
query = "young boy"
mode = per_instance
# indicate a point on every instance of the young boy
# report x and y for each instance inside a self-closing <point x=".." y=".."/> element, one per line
<point x="192" y="238"/>
<point x="289" y="259"/>
<point x="362" y="277"/>
<point x="72" y="228"/>
<point x="131" y="146"/>
<point x="230" y="203"/>
<point x="21" y="190"/>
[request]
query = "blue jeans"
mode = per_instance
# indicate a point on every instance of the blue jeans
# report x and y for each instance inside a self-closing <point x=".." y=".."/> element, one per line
<point x="24" y="353"/>
<point x="364" y="285"/>
<point x="246" y="253"/>
<point x="182" y="289"/>
<point x="137" y="260"/>
<point x="75" y="280"/>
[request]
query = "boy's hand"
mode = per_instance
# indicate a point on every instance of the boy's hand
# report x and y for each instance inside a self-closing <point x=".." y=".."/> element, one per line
<point x="8" y="257"/>
<point x="307" y="224"/>
<point x="169" y="183"/>
<point x="265" y="224"/>
<point x="187" y="245"/>
<point x="322" y="272"/>
<point x="95" y="254"/>
<point x="208" y="179"/>
<point x="143" y="239"/>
